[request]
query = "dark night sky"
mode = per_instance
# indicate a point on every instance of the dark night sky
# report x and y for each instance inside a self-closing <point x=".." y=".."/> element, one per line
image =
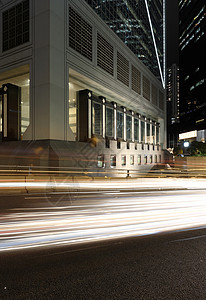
<point x="172" y="31"/>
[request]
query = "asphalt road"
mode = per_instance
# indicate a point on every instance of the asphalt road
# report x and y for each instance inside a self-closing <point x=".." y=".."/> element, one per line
<point x="53" y="259"/>
<point x="171" y="266"/>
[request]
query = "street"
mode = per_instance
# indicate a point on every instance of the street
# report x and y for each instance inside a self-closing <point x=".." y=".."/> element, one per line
<point x="120" y="240"/>
<point x="171" y="266"/>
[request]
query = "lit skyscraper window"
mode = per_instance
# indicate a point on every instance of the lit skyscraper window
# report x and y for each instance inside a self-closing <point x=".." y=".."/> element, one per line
<point x="140" y="25"/>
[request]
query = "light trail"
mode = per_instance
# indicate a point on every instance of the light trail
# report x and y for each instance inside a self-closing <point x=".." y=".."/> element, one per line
<point x="90" y="184"/>
<point x="106" y="216"/>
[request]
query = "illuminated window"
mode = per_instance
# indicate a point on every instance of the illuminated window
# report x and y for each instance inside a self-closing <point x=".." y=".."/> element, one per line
<point x="20" y="77"/>
<point x="109" y="122"/>
<point x="100" y="161"/>
<point x="131" y="160"/>
<point x="136" y="129"/>
<point x="120" y="124"/>
<point x="123" y="160"/>
<point x="142" y="131"/>
<point x="113" y="160"/>
<point x="97" y="118"/>
<point x="129" y="127"/>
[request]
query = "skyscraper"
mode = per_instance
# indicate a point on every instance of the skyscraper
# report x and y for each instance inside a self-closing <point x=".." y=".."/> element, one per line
<point x="172" y="105"/>
<point x="140" y="25"/>
<point x="192" y="65"/>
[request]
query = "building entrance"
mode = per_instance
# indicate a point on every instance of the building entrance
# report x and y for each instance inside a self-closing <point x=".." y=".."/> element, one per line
<point x="10" y="112"/>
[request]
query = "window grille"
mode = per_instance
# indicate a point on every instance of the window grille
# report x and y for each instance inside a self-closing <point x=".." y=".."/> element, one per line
<point x="105" y="54"/>
<point x="122" y="69"/>
<point x="154" y="95"/>
<point x="15" y="29"/>
<point x="136" y="80"/>
<point x="80" y="34"/>
<point x="146" y="88"/>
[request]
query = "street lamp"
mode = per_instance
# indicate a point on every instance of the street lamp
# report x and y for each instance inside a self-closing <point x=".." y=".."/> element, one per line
<point x="186" y="144"/>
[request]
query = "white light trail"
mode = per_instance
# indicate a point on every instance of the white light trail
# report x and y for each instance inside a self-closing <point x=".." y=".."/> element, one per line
<point x="155" y="46"/>
<point x="103" y="219"/>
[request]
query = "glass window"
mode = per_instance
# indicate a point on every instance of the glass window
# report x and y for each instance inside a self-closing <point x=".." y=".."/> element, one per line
<point x="131" y="160"/>
<point x="73" y="89"/>
<point x="145" y="159"/>
<point x="148" y="133"/>
<point x="21" y="79"/>
<point x="129" y="127"/>
<point x="100" y="161"/>
<point x="158" y="135"/>
<point x="153" y="134"/>
<point x="97" y="118"/>
<point x="160" y="158"/>
<point x="120" y="125"/>
<point x="123" y="160"/>
<point x="143" y="131"/>
<point x="139" y="159"/>
<point x="109" y="121"/>
<point x="155" y="158"/>
<point x="136" y="129"/>
<point x="113" y="160"/>
<point x="151" y="159"/>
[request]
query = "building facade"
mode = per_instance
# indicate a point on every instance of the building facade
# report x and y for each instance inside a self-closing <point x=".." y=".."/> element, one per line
<point x="173" y="106"/>
<point x="192" y="65"/>
<point x="73" y="94"/>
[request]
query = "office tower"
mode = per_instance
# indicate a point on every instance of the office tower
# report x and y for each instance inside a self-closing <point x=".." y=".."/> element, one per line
<point x="83" y="99"/>
<point x="172" y="105"/>
<point x="140" y="25"/>
<point x="192" y="49"/>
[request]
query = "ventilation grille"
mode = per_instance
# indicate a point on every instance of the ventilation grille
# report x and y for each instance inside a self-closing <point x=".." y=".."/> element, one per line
<point x="15" y="23"/>
<point x="146" y="88"/>
<point x="136" y="80"/>
<point x="122" y="69"/>
<point x="80" y="34"/>
<point x="154" y="95"/>
<point x="161" y="100"/>
<point x="105" y="53"/>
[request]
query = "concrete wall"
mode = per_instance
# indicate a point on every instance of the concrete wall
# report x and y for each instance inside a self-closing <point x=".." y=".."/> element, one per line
<point x="191" y="163"/>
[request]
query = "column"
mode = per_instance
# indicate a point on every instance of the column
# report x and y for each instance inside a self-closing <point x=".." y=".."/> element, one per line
<point x="49" y="77"/>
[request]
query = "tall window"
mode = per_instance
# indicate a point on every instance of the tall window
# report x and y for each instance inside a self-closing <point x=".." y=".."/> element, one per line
<point x="148" y="132"/>
<point x="143" y="131"/>
<point x="129" y="127"/>
<point x="20" y="77"/>
<point x="158" y="135"/>
<point x="109" y="121"/>
<point x="136" y="129"/>
<point x="153" y="134"/>
<point x="120" y="124"/>
<point x="97" y="118"/>
<point x="73" y="92"/>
